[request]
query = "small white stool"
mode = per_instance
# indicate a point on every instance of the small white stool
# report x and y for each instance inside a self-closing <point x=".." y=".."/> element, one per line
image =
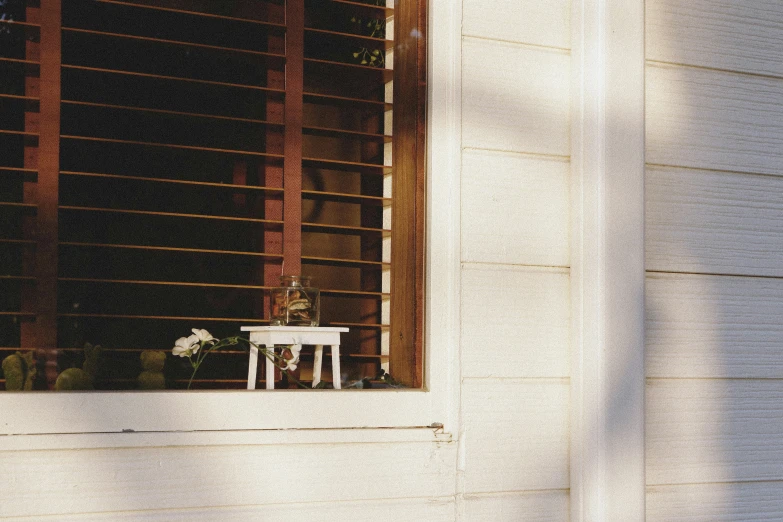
<point x="318" y="336"/>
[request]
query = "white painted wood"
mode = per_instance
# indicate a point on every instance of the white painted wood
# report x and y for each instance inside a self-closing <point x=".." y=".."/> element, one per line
<point x="515" y="208"/>
<point x="714" y="326"/>
<point x="532" y="506"/>
<point x="714" y="430"/>
<point x="607" y="261"/>
<point x="444" y="145"/>
<point x="724" y="34"/>
<point x="515" y="434"/>
<point x="714" y="222"/>
<point x="716" y="120"/>
<point x="65" y="441"/>
<point x="522" y="21"/>
<point x="95" y="481"/>
<point x="732" y="502"/>
<point x="515" y="97"/>
<point x="515" y="321"/>
<point x="402" y="510"/>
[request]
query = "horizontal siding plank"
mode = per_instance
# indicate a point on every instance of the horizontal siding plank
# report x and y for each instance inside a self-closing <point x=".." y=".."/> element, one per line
<point x="714" y="120"/>
<point x="515" y="322"/>
<point x="409" y="509"/>
<point x="733" y="502"/>
<point x="714" y="222"/>
<point x="714" y="430"/>
<point x="516" y="435"/>
<point x="725" y="34"/>
<point x="515" y="98"/>
<point x="107" y="480"/>
<point x="515" y="208"/>
<point x="536" y="506"/>
<point x="713" y="326"/>
<point x="523" y="21"/>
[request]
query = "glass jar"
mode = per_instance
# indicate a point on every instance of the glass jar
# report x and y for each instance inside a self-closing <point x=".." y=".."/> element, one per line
<point x="294" y="302"/>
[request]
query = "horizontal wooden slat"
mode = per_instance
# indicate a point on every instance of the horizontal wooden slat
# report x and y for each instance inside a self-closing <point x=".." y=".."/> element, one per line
<point x="713" y="430"/>
<point x="270" y="222"/>
<point x="713" y="120"/>
<point x="330" y="67"/>
<point x="20" y="314"/>
<point x="384" y="43"/>
<point x="328" y="99"/>
<point x="328" y="292"/>
<point x="174" y="146"/>
<point x="20" y="61"/>
<point x="16" y="278"/>
<point x="162" y="283"/>
<point x="521" y="21"/>
<point x="280" y="28"/>
<point x="342" y="229"/>
<point x="713" y="222"/>
<point x="342" y="133"/>
<point x="19" y="97"/>
<point x="174" y="78"/>
<point x="541" y="506"/>
<point x="346" y="198"/>
<point x="524" y="108"/>
<point x="19" y="133"/>
<point x="515" y="425"/>
<point x="23" y="242"/>
<point x="515" y="321"/>
<point x="169" y="249"/>
<point x="713" y="326"/>
<point x="205" y="184"/>
<point x="27" y="174"/>
<point x="18" y="23"/>
<point x="519" y="202"/>
<point x="740" y="36"/>
<point x="166" y="318"/>
<point x="348" y="166"/>
<point x="26" y="208"/>
<point x="277" y="59"/>
<point x="387" y="11"/>
<point x="348" y="263"/>
<point x="727" y="502"/>
<point x="172" y="113"/>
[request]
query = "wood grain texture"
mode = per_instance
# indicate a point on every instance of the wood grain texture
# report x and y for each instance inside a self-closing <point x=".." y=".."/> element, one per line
<point x="733" y="502"/>
<point x="515" y="98"/>
<point x="516" y="434"/>
<point x="534" y="506"/>
<point x="725" y="34"/>
<point x="95" y="481"/>
<point x="515" y="322"/>
<point x="408" y="509"/>
<point x="714" y="430"/>
<point x="715" y="120"/>
<point x="515" y="208"/>
<point x="714" y="222"/>
<point x="522" y="21"/>
<point x="713" y="326"/>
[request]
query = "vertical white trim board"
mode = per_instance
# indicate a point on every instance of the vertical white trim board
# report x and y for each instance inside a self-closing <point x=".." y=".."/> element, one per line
<point x="607" y="265"/>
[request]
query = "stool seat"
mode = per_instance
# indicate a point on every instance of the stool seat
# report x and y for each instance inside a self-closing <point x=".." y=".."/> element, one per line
<point x="296" y="336"/>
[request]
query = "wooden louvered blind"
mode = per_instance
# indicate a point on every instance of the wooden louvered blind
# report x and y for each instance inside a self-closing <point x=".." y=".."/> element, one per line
<point x="165" y="161"/>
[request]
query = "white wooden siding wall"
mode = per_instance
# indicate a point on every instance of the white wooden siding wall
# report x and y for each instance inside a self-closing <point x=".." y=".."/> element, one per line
<point x="515" y="255"/>
<point x="714" y="185"/>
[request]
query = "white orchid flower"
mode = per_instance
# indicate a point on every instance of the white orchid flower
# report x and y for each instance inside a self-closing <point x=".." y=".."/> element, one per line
<point x="186" y="346"/>
<point x="203" y="335"/>
<point x="293" y="362"/>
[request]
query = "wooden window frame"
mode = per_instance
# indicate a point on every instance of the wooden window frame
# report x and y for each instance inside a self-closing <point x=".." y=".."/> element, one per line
<point x="435" y="406"/>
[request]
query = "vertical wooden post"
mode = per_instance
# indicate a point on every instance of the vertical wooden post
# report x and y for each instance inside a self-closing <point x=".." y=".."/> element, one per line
<point x="292" y="169"/>
<point x="44" y="336"/>
<point x="407" y="252"/>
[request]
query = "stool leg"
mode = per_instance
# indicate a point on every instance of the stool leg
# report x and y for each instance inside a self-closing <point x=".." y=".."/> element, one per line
<point x="252" y="368"/>
<point x="270" y="369"/>
<point x="336" y="377"/>
<point x="317" y="363"/>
